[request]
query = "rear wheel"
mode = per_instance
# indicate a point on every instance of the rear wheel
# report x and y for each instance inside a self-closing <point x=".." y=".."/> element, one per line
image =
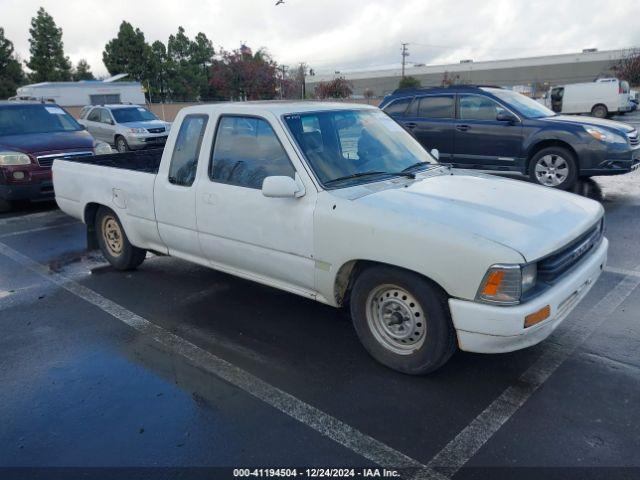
<point x="402" y="320"/>
<point x="554" y="167"/>
<point x="113" y="241"/>
<point x="600" y="111"/>
<point x="121" y="145"/>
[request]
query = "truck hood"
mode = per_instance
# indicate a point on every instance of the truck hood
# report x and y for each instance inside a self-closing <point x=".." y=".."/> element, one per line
<point x="47" y="142"/>
<point x="596" y="122"/>
<point x="533" y="220"/>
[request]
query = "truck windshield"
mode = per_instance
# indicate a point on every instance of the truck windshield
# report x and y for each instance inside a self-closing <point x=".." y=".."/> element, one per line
<point x="344" y="147"/>
<point x="27" y="119"/>
<point x="133" y="114"/>
<point x="524" y="105"/>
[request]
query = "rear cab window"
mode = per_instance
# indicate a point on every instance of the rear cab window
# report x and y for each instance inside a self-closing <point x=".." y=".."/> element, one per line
<point x="184" y="160"/>
<point x="246" y="150"/>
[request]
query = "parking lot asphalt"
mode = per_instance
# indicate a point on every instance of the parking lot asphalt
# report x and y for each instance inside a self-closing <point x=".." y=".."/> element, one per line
<point x="176" y="365"/>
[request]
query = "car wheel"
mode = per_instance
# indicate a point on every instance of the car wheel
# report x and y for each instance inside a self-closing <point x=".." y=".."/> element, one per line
<point x="600" y="111"/>
<point x="114" y="244"/>
<point x="402" y="319"/>
<point x="554" y="167"/>
<point x="122" y="145"/>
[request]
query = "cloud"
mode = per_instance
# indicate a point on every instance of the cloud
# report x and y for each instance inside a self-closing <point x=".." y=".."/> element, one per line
<point x="343" y="34"/>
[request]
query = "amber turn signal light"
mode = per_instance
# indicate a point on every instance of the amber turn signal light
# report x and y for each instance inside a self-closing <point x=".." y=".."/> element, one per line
<point x="537" y="317"/>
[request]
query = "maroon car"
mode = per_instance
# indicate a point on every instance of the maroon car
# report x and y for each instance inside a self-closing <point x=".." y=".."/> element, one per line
<point x="32" y="135"/>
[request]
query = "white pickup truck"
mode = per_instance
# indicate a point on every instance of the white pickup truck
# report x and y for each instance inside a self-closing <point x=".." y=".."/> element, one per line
<point x="338" y="203"/>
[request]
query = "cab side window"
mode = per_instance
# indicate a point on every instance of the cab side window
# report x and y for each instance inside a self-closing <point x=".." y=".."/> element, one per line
<point x="184" y="161"/>
<point x="246" y="151"/>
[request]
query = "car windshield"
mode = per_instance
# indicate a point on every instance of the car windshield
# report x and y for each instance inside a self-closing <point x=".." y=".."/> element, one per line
<point x="35" y="118"/>
<point x="344" y="147"/>
<point x="524" y="105"/>
<point x="133" y="114"/>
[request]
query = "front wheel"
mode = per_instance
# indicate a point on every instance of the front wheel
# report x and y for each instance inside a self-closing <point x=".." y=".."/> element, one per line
<point x="600" y="111"/>
<point x="114" y="244"/>
<point x="122" y="145"/>
<point x="554" y="167"/>
<point x="402" y="319"/>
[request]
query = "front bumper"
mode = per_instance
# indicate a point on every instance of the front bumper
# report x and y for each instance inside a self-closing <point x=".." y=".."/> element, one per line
<point x="28" y="191"/>
<point x="147" y="140"/>
<point x="483" y="328"/>
<point x="610" y="161"/>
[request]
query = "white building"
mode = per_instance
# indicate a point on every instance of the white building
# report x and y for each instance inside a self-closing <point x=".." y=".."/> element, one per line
<point x="86" y="92"/>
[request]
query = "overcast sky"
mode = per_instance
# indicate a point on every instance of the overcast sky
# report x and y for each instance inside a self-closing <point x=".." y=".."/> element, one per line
<point x="344" y="34"/>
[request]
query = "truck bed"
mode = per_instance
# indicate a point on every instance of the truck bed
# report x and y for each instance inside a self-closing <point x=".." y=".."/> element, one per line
<point x="147" y="161"/>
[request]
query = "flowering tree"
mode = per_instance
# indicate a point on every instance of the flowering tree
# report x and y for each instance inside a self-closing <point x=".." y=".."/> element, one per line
<point x="336" y="88"/>
<point x="243" y="75"/>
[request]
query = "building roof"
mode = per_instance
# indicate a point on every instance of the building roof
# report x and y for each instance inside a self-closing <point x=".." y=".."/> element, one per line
<point x="597" y="56"/>
<point x="82" y="84"/>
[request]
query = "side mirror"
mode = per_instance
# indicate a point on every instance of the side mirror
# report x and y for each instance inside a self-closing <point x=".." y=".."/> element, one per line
<point x="280" y="187"/>
<point x="111" y="122"/>
<point x="435" y="153"/>
<point x="507" y="117"/>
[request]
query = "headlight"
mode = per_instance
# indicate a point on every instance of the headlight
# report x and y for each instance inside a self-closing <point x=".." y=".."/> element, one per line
<point x="102" y="148"/>
<point x="605" y="135"/>
<point x="137" y="130"/>
<point x="505" y="284"/>
<point x="14" y="158"/>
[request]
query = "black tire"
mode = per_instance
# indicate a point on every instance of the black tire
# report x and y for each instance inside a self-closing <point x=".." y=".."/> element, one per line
<point x="5" y="205"/>
<point x="121" y="144"/>
<point x="434" y="327"/>
<point x="113" y="241"/>
<point x="600" y="111"/>
<point x="560" y="156"/>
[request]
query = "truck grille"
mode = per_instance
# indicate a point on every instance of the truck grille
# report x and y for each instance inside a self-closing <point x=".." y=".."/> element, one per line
<point x="46" y="161"/>
<point x="552" y="267"/>
<point x="634" y="140"/>
<point x="155" y="130"/>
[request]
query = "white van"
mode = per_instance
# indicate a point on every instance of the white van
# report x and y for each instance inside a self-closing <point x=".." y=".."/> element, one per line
<point x="604" y="97"/>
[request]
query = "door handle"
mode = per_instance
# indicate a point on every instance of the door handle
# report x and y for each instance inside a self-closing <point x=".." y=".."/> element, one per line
<point x="410" y="125"/>
<point x="462" y="128"/>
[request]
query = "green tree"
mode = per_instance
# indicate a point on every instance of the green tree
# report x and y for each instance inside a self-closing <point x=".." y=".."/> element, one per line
<point x="188" y="66"/>
<point x="83" y="71"/>
<point x="47" y="62"/>
<point x="128" y="53"/>
<point x="11" y="74"/>
<point x="409" y="82"/>
<point x="158" y="71"/>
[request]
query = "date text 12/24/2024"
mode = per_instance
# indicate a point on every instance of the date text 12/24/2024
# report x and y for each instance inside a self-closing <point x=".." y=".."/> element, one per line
<point x="316" y="472"/>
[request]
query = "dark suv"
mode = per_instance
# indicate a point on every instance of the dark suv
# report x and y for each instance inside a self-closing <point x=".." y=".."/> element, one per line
<point x="495" y="129"/>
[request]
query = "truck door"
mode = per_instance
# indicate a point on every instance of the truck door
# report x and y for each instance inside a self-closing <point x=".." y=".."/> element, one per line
<point x="175" y="189"/>
<point x="240" y="229"/>
<point x="557" y="95"/>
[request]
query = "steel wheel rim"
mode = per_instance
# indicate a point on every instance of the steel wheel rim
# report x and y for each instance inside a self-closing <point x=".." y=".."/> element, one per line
<point x="552" y="170"/>
<point x="112" y="235"/>
<point x="396" y="319"/>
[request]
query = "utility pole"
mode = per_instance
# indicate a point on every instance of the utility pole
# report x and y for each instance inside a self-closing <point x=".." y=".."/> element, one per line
<point x="405" y="54"/>
<point x="284" y="71"/>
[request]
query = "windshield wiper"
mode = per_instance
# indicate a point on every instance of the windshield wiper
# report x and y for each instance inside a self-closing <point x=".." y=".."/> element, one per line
<point x="414" y="166"/>
<point x="355" y="175"/>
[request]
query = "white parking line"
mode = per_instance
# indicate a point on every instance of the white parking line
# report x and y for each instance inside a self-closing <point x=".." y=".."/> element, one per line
<point x="623" y="271"/>
<point x="27" y="217"/>
<point x="38" y="229"/>
<point x="331" y="427"/>
<point x="556" y="350"/>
